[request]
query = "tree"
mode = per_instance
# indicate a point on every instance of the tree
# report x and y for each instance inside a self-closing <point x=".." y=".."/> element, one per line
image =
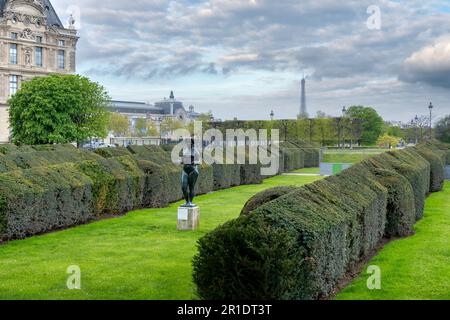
<point x="169" y="125"/>
<point x="443" y="129"/>
<point x="372" y="123"/>
<point x="145" y="128"/>
<point x="396" y="131"/>
<point x="58" y="109"/>
<point x="119" y="124"/>
<point x="387" y="141"/>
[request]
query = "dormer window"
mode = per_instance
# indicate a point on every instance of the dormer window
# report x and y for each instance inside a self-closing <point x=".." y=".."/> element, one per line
<point x="14" y="35"/>
<point x="39" y="39"/>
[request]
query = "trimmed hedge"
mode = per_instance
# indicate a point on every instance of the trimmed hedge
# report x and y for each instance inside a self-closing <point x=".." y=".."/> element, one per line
<point x="113" y="152"/>
<point x="417" y="174"/>
<point x="265" y="196"/>
<point x="42" y="199"/>
<point x="16" y="158"/>
<point x="400" y="210"/>
<point x="291" y="159"/>
<point x="117" y="184"/>
<point x="226" y="175"/>
<point x="48" y="187"/>
<point x="299" y="245"/>
<point x="436" y="167"/>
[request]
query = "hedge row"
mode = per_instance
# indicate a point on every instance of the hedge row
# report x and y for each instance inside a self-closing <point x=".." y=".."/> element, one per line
<point x="47" y="198"/>
<point x="299" y="245"/>
<point x="26" y="157"/>
<point x="43" y="188"/>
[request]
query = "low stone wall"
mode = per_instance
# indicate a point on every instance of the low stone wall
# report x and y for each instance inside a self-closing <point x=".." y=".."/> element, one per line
<point x="447" y="172"/>
<point x="329" y="169"/>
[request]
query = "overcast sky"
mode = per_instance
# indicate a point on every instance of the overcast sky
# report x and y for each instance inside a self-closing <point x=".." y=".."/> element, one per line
<point x="244" y="58"/>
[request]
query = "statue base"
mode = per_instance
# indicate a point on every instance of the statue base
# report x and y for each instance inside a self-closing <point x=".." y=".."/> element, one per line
<point x="188" y="218"/>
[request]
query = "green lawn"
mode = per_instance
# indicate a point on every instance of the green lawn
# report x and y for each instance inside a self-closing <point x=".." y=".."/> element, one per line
<point x="349" y="156"/>
<point x="308" y="170"/>
<point x="138" y="256"/>
<point x="417" y="267"/>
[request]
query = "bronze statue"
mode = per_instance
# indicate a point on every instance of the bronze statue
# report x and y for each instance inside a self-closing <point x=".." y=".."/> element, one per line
<point x="190" y="174"/>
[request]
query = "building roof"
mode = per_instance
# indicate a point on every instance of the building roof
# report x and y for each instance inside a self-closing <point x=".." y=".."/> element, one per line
<point x="49" y="11"/>
<point x="142" y="107"/>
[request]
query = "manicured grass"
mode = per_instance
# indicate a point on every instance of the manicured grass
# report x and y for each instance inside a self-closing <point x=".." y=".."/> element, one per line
<point x="348" y="156"/>
<point x="308" y="170"/>
<point x="138" y="256"/>
<point x="417" y="267"/>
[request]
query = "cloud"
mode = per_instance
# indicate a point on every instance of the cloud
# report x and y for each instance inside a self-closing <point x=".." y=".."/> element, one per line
<point x="234" y="46"/>
<point x="430" y="65"/>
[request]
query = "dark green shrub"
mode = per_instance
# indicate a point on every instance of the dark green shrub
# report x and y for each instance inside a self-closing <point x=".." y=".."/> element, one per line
<point x="266" y="196"/>
<point x="250" y="174"/>
<point x="436" y="167"/>
<point x="417" y="175"/>
<point x="41" y="156"/>
<point x="156" y="190"/>
<point x="291" y="159"/>
<point x="117" y="184"/>
<point x="226" y="175"/>
<point x="400" y="211"/>
<point x="42" y="199"/>
<point x="7" y="148"/>
<point x="113" y="152"/>
<point x="299" y="245"/>
<point x="294" y="247"/>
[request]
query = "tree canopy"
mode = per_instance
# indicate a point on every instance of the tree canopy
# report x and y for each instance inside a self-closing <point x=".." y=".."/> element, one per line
<point x="371" y="122"/>
<point x="119" y="124"/>
<point x="58" y="109"/>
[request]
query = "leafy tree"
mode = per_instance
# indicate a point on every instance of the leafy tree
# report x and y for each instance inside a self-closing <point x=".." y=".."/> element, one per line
<point x="324" y="128"/>
<point x="169" y="125"/>
<point x="140" y="127"/>
<point x="387" y="141"/>
<point x="145" y="128"/>
<point x="119" y="124"/>
<point x="443" y="129"/>
<point x="396" y="131"/>
<point x="372" y="123"/>
<point x="58" y="109"/>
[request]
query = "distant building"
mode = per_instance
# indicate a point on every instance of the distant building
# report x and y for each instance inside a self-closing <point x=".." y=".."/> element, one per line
<point x="33" y="42"/>
<point x="166" y="108"/>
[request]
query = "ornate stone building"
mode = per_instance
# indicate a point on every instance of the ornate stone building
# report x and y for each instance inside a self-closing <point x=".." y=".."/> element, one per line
<point x="33" y="42"/>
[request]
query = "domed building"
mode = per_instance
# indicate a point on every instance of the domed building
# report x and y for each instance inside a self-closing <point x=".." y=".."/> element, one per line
<point x="157" y="112"/>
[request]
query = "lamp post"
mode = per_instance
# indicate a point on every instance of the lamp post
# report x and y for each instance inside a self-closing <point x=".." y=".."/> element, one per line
<point x="416" y="128"/>
<point x="272" y="115"/>
<point x="431" y="110"/>
<point x="344" y="112"/>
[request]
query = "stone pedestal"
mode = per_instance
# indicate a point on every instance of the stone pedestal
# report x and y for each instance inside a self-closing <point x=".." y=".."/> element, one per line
<point x="188" y="218"/>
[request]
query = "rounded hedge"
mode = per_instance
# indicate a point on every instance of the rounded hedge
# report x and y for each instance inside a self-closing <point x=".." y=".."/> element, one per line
<point x="266" y="196"/>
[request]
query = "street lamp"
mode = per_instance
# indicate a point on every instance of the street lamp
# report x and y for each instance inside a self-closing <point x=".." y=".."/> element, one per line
<point x="272" y="115"/>
<point x="431" y="110"/>
<point x="344" y="112"/>
<point x="415" y="123"/>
